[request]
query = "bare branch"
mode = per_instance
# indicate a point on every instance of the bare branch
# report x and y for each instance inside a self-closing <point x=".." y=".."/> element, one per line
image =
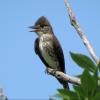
<point x="75" y="24"/>
<point x="2" y="97"/>
<point x="63" y="76"/>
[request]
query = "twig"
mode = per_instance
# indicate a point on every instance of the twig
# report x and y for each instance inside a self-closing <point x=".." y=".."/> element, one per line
<point x="64" y="77"/>
<point x="75" y="24"/>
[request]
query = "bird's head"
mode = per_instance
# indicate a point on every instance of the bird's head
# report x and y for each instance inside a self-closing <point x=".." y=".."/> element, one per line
<point x="42" y="26"/>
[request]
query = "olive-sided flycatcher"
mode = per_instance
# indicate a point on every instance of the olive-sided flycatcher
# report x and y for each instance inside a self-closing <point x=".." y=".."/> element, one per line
<point x="48" y="48"/>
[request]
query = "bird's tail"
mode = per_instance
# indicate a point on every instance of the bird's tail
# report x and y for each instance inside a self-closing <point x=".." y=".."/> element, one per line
<point x="65" y="84"/>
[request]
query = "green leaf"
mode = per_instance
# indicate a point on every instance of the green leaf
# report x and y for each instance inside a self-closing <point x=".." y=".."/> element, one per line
<point x="99" y="82"/>
<point x="79" y="75"/>
<point x="54" y="97"/>
<point x="88" y="84"/>
<point x="63" y="94"/>
<point x="97" y="90"/>
<point x="97" y="96"/>
<point x="83" y="61"/>
<point x="96" y="75"/>
<point x="79" y="92"/>
<point x="68" y="95"/>
<point x="98" y="66"/>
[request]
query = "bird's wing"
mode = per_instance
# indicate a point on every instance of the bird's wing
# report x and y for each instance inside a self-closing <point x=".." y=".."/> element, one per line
<point x="59" y="53"/>
<point x="60" y="56"/>
<point x="37" y="51"/>
<point x="55" y="51"/>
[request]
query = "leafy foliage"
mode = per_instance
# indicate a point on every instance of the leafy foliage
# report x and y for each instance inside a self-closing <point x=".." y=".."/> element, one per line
<point x="90" y="82"/>
<point x="98" y="66"/>
<point x="83" y="61"/>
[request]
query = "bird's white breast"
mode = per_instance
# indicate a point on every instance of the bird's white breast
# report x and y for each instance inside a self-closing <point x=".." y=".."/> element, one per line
<point x="45" y="45"/>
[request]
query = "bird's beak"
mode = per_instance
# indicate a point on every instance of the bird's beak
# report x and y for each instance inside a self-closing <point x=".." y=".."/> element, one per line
<point x="34" y="29"/>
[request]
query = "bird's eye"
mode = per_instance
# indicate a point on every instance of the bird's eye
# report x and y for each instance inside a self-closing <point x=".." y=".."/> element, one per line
<point x="41" y="26"/>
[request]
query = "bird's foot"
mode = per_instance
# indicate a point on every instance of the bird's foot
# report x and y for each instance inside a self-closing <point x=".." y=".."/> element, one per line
<point x="48" y="72"/>
<point x="54" y="71"/>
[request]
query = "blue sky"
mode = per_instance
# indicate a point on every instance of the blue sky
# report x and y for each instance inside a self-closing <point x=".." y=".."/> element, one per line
<point x="22" y="74"/>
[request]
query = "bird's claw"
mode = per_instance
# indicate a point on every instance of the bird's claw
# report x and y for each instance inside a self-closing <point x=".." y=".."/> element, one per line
<point x="53" y="71"/>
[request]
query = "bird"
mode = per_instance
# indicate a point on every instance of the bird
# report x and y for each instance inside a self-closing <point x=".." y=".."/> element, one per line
<point x="48" y="48"/>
